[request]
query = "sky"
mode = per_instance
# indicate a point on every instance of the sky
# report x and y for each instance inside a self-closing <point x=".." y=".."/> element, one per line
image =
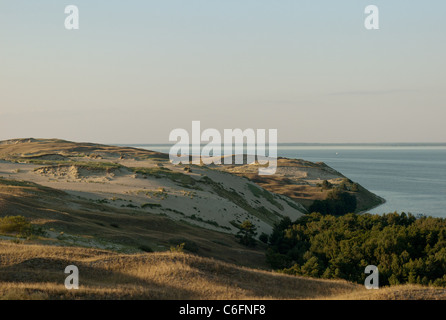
<point x="136" y="70"/>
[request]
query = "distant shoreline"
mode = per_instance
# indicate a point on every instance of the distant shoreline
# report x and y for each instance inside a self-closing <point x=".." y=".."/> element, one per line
<point x="387" y="145"/>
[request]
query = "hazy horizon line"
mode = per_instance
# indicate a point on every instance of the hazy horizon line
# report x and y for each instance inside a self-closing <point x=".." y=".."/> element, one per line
<point x="387" y="144"/>
<point x="396" y="144"/>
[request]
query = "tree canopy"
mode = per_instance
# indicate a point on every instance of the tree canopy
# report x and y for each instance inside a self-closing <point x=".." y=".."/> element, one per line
<point x="405" y="249"/>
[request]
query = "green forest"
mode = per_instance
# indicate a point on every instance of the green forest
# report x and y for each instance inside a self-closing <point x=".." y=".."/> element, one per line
<point x="405" y="249"/>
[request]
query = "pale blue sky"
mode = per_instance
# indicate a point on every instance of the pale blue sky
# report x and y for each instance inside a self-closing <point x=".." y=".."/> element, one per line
<point x="138" y="69"/>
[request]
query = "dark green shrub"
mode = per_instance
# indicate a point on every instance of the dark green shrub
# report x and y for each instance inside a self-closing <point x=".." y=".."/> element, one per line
<point x="150" y="205"/>
<point x="337" y="203"/>
<point x="145" y="248"/>
<point x="15" y="225"/>
<point x="263" y="237"/>
<point x="189" y="245"/>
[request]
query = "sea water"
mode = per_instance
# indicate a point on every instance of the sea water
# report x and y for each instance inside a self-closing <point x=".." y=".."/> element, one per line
<point x="410" y="179"/>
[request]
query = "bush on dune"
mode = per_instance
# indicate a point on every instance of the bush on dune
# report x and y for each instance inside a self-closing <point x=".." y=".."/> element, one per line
<point x="15" y="225"/>
<point x="337" y="203"/>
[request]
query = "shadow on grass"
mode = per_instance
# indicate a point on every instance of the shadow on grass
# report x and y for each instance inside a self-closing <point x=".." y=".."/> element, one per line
<point x="99" y="282"/>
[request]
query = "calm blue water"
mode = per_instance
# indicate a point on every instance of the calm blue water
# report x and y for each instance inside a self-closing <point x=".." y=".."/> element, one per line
<point x="411" y="179"/>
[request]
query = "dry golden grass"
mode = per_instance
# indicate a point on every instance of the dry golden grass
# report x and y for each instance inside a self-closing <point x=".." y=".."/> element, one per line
<point x="402" y="292"/>
<point x="37" y="272"/>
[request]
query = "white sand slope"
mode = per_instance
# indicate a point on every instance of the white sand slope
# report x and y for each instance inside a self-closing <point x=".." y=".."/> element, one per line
<point x="216" y="200"/>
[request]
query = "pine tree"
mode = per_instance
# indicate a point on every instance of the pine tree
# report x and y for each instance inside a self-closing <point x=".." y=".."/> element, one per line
<point x="247" y="233"/>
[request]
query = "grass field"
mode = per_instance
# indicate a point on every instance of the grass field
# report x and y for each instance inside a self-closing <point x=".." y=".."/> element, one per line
<point x="37" y="272"/>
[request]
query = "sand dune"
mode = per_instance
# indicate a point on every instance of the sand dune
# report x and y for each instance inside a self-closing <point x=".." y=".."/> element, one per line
<point x="102" y="207"/>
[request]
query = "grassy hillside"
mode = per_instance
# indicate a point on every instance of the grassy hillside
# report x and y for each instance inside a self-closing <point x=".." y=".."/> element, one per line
<point x="36" y="272"/>
<point x="33" y="271"/>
